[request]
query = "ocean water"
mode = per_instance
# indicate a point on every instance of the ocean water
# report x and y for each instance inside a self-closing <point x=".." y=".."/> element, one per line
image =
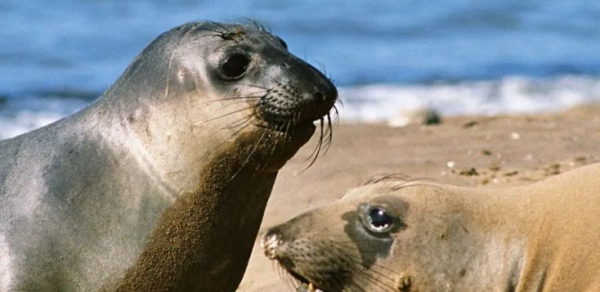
<point x="457" y="56"/>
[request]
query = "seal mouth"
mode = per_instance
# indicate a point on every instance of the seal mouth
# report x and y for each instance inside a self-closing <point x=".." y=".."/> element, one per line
<point x="270" y="243"/>
<point x="305" y="285"/>
<point x="299" y="129"/>
<point x="288" y="107"/>
<point x="286" y="126"/>
<point x="294" y="127"/>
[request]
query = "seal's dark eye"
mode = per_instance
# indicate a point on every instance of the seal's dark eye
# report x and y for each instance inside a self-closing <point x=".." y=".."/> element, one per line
<point x="234" y="67"/>
<point x="378" y="220"/>
<point x="282" y="42"/>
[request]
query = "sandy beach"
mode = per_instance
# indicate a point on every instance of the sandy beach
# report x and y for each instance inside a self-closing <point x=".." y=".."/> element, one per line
<point x="476" y="151"/>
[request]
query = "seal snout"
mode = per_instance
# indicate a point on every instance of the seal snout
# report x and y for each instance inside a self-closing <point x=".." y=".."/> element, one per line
<point x="269" y="243"/>
<point x="291" y="103"/>
<point x="319" y="100"/>
<point x="314" y="264"/>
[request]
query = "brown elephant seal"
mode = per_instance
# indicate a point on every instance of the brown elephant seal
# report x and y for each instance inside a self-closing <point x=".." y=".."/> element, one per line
<point x="161" y="184"/>
<point x="393" y="235"/>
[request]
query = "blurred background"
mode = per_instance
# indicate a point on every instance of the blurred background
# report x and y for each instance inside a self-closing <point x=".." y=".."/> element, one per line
<point x="455" y="57"/>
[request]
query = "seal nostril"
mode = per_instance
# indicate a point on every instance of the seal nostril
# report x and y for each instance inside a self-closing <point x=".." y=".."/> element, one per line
<point x="269" y="244"/>
<point x="319" y="97"/>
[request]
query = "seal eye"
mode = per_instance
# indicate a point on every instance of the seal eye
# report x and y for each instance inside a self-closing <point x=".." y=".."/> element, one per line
<point x="234" y="67"/>
<point x="378" y="220"/>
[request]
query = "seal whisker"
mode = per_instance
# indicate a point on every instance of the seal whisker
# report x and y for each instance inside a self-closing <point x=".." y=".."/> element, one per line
<point x="414" y="183"/>
<point x="242" y="122"/>
<point x="357" y="284"/>
<point x="257" y="24"/>
<point x="383" y="271"/>
<point x="339" y="279"/>
<point x="352" y="287"/>
<point x="315" y="154"/>
<point x="247" y="122"/>
<point x="233" y="34"/>
<point x="329" y="132"/>
<point x="225" y="28"/>
<point x="324" y="71"/>
<point x="263" y="135"/>
<point x="285" y="276"/>
<point x="317" y="150"/>
<point x="398" y="181"/>
<point x="237" y="99"/>
<point x="168" y="77"/>
<point x="371" y="278"/>
<point x="352" y="244"/>
<point x="229" y="104"/>
<point x="261" y="166"/>
<point x="254" y="85"/>
<point x="377" y="282"/>
<point x="225" y="115"/>
<point x="395" y="177"/>
<point x="366" y="277"/>
<point x="336" y="112"/>
<point x="322" y="68"/>
<point x="286" y="132"/>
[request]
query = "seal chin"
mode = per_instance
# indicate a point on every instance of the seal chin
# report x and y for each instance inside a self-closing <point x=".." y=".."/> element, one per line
<point x="304" y="284"/>
<point x="299" y="133"/>
<point x="274" y="246"/>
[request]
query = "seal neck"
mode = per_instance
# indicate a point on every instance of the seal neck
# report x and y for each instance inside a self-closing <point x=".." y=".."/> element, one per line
<point x="471" y="243"/>
<point x="210" y="232"/>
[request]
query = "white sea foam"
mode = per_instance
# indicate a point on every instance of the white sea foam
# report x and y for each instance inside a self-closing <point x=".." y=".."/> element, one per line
<point x="26" y="114"/>
<point x="380" y="103"/>
<point x="510" y="95"/>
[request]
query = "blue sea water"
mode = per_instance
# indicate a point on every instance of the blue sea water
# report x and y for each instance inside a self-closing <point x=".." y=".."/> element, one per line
<point x="458" y="56"/>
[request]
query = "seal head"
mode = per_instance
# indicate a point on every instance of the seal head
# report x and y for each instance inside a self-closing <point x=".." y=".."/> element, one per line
<point x="394" y="235"/>
<point x="340" y="253"/>
<point x="240" y="63"/>
<point x="145" y="189"/>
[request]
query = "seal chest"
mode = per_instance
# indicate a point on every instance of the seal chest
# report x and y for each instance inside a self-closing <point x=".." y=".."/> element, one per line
<point x="137" y="191"/>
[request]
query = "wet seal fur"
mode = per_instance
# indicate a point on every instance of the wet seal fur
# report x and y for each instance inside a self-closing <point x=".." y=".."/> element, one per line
<point x="396" y="235"/>
<point x="161" y="184"/>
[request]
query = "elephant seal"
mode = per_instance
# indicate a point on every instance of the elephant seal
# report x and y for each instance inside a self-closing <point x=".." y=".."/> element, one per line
<point x="161" y="184"/>
<point x="395" y="235"/>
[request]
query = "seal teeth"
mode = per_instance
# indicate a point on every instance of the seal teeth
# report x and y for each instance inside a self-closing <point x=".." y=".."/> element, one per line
<point x="312" y="288"/>
<point x="308" y="288"/>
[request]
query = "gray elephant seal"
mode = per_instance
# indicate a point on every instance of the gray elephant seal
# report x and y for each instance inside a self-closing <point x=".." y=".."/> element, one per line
<point x="161" y="184"/>
<point x="392" y="235"/>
